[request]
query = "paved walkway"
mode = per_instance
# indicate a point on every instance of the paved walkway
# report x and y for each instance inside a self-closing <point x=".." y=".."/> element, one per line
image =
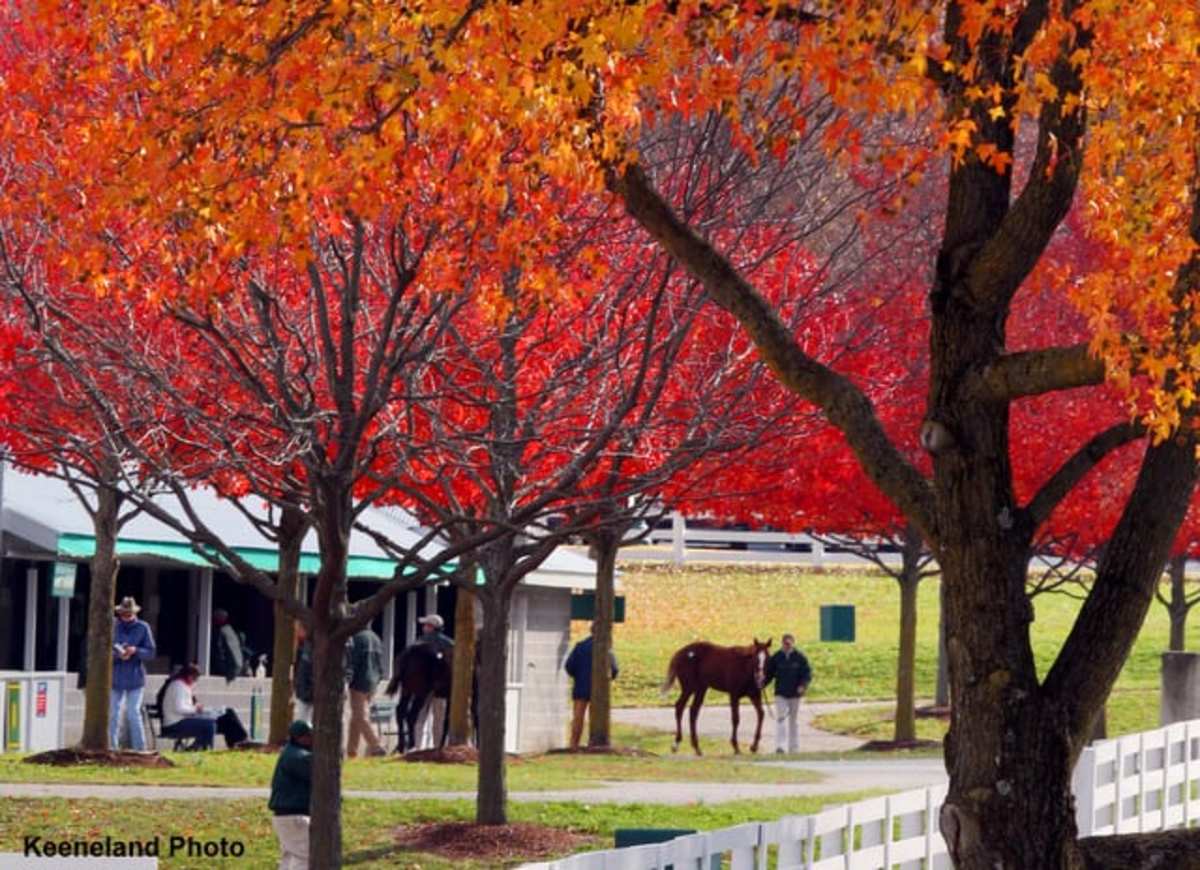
<point x="840" y="776"/>
<point x="713" y="721"/>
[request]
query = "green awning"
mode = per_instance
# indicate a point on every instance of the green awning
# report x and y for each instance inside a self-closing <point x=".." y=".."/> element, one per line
<point x="73" y="546"/>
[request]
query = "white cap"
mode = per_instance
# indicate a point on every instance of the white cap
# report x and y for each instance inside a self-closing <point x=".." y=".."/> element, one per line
<point x="432" y="619"/>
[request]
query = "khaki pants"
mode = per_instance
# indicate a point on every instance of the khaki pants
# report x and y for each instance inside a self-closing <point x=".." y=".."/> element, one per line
<point x="787" y="714"/>
<point x="577" y="721"/>
<point x="292" y="832"/>
<point x="433" y="715"/>
<point x="360" y="724"/>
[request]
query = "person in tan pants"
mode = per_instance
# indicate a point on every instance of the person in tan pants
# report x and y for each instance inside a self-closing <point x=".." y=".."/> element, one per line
<point x="366" y="670"/>
<point x="579" y="668"/>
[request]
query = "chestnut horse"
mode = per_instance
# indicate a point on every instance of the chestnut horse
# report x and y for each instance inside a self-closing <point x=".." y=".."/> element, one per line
<point x="738" y="670"/>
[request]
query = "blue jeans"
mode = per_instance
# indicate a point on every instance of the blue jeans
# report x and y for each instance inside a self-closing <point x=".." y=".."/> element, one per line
<point x="133" y="715"/>
<point x="198" y="727"/>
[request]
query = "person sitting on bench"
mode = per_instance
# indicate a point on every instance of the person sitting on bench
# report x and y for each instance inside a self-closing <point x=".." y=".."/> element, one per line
<point x="181" y="715"/>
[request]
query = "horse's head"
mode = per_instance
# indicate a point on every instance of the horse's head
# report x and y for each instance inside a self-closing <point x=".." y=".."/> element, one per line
<point x="762" y="652"/>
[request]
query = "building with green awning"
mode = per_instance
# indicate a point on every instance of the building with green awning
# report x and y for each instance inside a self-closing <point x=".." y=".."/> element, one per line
<point x="47" y="539"/>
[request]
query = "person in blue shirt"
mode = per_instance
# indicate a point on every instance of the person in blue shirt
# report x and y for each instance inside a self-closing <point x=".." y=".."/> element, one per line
<point x="133" y="644"/>
<point x="579" y="667"/>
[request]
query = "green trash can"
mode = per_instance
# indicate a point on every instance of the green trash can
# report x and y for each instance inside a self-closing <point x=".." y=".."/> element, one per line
<point x="837" y="622"/>
<point x="625" y="837"/>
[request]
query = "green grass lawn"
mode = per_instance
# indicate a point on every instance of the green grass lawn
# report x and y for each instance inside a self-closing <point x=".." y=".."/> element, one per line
<point x="1128" y="711"/>
<point x="367" y="824"/>
<point x="730" y="604"/>
<point x="534" y="773"/>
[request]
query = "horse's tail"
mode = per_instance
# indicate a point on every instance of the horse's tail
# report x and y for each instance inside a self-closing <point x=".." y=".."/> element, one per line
<point x="393" y="685"/>
<point x="672" y="674"/>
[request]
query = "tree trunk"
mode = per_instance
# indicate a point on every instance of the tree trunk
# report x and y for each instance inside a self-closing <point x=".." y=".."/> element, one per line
<point x="464" y="666"/>
<point x="329" y="677"/>
<point x="941" y="694"/>
<point x="906" y="664"/>
<point x="329" y="695"/>
<point x="600" y="713"/>
<point x="1014" y="741"/>
<point x="491" y="807"/>
<point x="104" y="565"/>
<point x="291" y="536"/>
<point x="1177" y="608"/>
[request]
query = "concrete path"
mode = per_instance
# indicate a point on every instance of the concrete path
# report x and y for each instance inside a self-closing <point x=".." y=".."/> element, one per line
<point x="840" y="776"/>
<point x="713" y="721"/>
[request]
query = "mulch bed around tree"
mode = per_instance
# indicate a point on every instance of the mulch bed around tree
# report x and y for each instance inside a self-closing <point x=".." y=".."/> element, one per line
<point x="446" y="755"/>
<point x="107" y="758"/>
<point x="605" y="750"/>
<point x="493" y="844"/>
<point x="933" y="712"/>
<point x="895" y="745"/>
<point x="256" y="746"/>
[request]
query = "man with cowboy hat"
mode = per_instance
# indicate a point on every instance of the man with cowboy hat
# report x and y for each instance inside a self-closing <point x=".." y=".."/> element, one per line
<point x="133" y="644"/>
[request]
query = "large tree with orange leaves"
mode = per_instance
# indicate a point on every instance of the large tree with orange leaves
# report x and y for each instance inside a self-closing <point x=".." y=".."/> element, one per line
<point x="192" y="134"/>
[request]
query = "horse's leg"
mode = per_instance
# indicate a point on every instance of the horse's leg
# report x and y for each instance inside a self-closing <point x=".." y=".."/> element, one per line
<point x="734" y="715"/>
<point x="684" y="694"/>
<point x="756" y="700"/>
<point x="416" y="704"/>
<point x="697" y="703"/>
<point x="401" y="706"/>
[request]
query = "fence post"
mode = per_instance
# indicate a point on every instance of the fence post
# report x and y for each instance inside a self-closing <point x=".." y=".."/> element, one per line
<point x="678" y="541"/>
<point x="1085" y="792"/>
<point x="818" y="553"/>
<point x="1187" y="774"/>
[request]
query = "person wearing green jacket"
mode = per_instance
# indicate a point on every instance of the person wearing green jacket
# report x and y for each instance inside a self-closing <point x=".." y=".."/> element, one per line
<point x="291" y="796"/>
<point x="366" y="670"/>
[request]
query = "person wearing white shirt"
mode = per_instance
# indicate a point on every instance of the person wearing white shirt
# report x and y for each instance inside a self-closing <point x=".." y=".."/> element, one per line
<point x="181" y="715"/>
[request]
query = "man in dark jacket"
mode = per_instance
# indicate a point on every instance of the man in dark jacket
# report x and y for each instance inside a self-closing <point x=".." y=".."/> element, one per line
<point x="291" y="795"/>
<point x="133" y="645"/>
<point x="433" y="715"/>
<point x="227" y="650"/>
<point x="789" y="668"/>
<point x="579" y="667"/>
<point x="366" y="670"/>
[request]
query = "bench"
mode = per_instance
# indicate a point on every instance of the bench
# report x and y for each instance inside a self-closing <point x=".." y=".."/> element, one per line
<point x="152" y="718"/>
<point x="383" y="720"/>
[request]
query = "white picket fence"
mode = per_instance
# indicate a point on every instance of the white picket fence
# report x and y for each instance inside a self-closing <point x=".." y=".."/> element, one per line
<point x="1137" y="783"/>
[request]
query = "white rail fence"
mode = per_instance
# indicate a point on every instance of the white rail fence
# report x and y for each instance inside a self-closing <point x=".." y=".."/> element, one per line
<point x="687" y="540"/>
<point x="1137" y="783"/>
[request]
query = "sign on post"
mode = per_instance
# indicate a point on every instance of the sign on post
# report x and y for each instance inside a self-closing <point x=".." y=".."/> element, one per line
<point x="12" y="717"/>
<point x="63" y="584"/>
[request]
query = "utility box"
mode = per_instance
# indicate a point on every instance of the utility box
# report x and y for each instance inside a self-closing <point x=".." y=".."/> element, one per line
<point x="583" y="606"/>
<point x="1180" y="699"/>
<point x="837" y="622"/>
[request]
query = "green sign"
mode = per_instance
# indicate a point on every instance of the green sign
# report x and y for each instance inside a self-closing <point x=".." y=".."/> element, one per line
<point x="12" y="717"/>
<point x="583" y="606"/>
<point x="63" y="583"/>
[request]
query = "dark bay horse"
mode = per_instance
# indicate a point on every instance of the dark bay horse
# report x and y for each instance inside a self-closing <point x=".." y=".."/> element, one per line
<point x="738" y="670"/>
<point x="421" y="670"/>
